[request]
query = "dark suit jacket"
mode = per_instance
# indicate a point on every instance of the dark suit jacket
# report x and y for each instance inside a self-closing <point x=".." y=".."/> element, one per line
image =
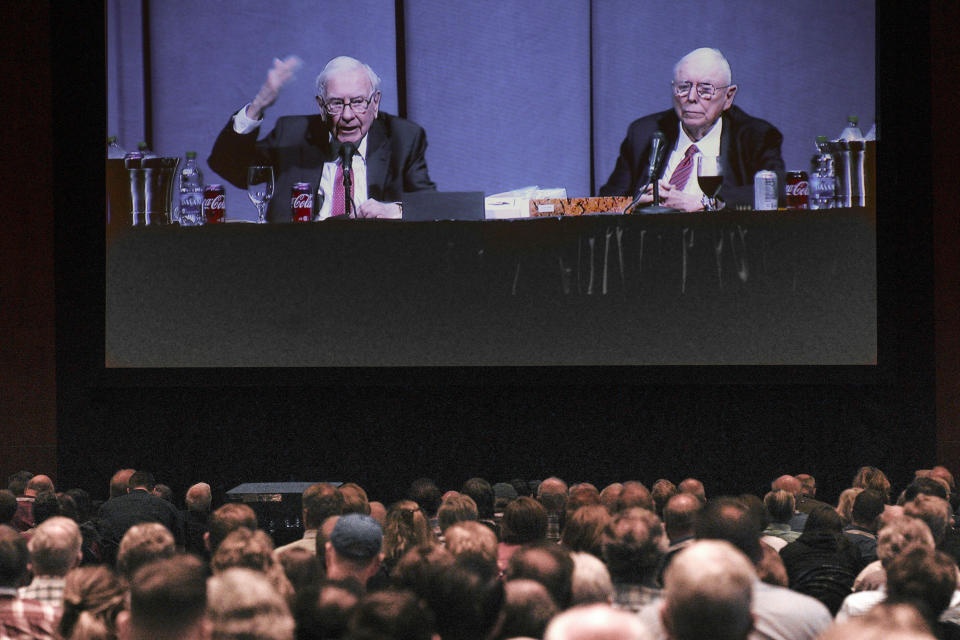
<point x="298" y="147"/>
<point x="120" y="513"/>
<point x="747" y="145"/>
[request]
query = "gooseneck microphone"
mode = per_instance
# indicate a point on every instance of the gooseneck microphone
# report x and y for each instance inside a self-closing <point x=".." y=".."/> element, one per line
<point x="347" y="151"/>
<point x="657" y="147"/>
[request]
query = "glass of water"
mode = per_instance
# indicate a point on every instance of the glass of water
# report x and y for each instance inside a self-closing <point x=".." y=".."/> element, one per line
<point x="260" y="189"/>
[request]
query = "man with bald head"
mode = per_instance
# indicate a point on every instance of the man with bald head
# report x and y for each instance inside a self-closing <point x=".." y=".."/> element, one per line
<point x="792" y="485"/>
<point x="552" y="494"/>
<point x="198" y="501"/>
<point x="596" y="622"/>
<point x="703" y="121"/>
<point x="695" y="488"/>
<point x="679" y="520"/>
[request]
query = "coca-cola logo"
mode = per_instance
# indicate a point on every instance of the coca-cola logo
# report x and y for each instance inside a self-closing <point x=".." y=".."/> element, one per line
<point x="303" y="200"/>
<point x="217" y="202"/>
<point x="799" y="189"/>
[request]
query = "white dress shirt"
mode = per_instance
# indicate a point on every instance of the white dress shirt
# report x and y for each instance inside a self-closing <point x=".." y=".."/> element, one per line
<point x="709" y="145"/>
<point x="243" y="124"/>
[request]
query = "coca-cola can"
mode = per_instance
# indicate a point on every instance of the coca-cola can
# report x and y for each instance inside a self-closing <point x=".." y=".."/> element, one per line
<point x="765" y="191"/>
<point x="301" y="202"/>
<point x="798" y="190"/>
<point x="214" y="203"/>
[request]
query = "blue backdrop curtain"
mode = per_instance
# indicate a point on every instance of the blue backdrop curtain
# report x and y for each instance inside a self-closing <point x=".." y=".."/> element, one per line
<point x="511" y="92"/>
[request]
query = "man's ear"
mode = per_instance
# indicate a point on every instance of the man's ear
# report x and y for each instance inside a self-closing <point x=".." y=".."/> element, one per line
<point x="123" y="626"/>
<point x="206" y="541"/>
<point x="728" y="95"/>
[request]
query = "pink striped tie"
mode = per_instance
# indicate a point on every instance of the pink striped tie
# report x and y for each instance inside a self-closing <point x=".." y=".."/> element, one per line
<point x="682" y="173"/>
<point x="337" y="209"/>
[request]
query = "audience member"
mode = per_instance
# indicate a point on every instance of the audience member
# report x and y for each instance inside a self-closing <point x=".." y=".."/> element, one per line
<point x="301" y="567"/>
<point x="610" y="495"/>
<point x="319" y="502"/>
<point x="780" y="508"/>
<point x="354" y="499"/>
<point x="473" y="543"/>
<point x="138" y="505"/>
<point x="596" y="622"/>
<point x="93" y="597"/>
<point x="8" y="507"/>
<point x="808" y="494"/>
<point x="35" y="619"/>
<point x="482" y="494"/>
<point x="54" y="551"/>
<point x="707" y="594"/>
<point x="679" y="520"/>
<point x="883" y="622"/>
<point x="466" y="605"/>
<point x="864" y="522"/>
<point x="872" y="478"/>
<point x="552" y="494"/>
<point x="378" y="512"/>
<point x="580" y="495"/>
<point x="167" y="601"/>
<point x="693" y="487"/>
<point x="634" y="494"/>
<point x="926" y="579"/>
<point x="226" y="519"/>
<point x="391" y="615"/>
<point x="662" y="491"/>
<point x="584" y="529"/>
<point x="323" y="610"/>
<point x="406" y="527"/>
<point x="591" y="581"/>
<point x="242" y="604"/>
<point x="354" y="548"/>
<point x="457" y="508"/>
<point x="252" y="550"/>
<point x="425" y="493"/>
<point x="794" y="487"/>
<point x="120" y="483"/>
<point x="503" y="494"/>
<point x="634" y="544"/>
<point x="845" y="503"/>
<point x="142" y="544"/>
<point x="195" y="517"/>
<point x="525" y="521"/>
<point x="547" y="563"/>
<point x="527" y="609"/>
<point x="416" y="569"/>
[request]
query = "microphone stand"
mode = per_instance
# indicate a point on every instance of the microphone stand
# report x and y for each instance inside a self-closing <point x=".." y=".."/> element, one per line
<point x="348" y="191"/>
<point x="655" y="207"/>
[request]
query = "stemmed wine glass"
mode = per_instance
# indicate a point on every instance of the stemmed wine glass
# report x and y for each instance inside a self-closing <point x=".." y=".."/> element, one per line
<point x="709" y="177"/>
<point x="260" y="189"/>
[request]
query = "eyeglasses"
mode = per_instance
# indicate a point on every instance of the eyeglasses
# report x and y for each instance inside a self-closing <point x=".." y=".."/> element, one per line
<point x="704" y="90"/>
<point x="359" y="105"/>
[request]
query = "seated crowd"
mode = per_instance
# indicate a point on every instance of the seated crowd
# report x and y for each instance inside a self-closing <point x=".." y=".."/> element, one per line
<point x="488" y="562"/>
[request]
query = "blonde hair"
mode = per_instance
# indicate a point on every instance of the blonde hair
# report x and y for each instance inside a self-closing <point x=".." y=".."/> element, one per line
<point x="405" y="528"/>
<point x="92" y="598"/>
<point x="253" y="550"/>
<point x="242" y="603"/>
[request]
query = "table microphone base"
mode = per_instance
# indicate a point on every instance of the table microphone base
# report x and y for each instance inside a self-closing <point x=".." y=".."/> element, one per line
<point x="657" y="209"/>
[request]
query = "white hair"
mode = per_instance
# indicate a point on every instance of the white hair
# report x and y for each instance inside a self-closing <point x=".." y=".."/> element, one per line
<point x="55" y="546"/>
<point x="710" y="54"/>
<point x="241" y="603"/>
<point x="596" y="621"/>
<point x="340" y="64"/>
<point x="591" y="580"/>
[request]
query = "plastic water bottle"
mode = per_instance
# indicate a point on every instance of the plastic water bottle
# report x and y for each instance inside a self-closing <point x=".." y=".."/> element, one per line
<point x="114" y="150"/>
<point x="872" y="134"/>
<point x="823" y="179"/>
<point x="191" y="192"/>
<point x="145" y="150"/>
<point x="852" y="130"/>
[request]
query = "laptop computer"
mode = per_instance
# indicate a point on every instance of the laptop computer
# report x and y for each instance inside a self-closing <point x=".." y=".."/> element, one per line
<point x="450" y="205"/>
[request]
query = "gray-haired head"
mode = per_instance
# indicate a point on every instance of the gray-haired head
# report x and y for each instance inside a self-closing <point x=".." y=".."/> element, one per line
<point x="344" y="63"/>
<point x="707" y="54"/>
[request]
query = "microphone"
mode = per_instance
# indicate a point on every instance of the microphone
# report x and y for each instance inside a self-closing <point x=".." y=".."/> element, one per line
<point x="657" y="147"/>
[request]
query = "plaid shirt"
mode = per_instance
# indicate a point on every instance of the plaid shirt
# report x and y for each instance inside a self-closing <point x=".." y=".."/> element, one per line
<point x="26" y="619"/>
<point x="553" y="527"/>
<point x="634" y="597"/>
<point x="47" y="589"/>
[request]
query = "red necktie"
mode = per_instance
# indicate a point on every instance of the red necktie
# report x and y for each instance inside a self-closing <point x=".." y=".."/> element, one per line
<point x="682" y="173"/>
<point x="338" y="209"/>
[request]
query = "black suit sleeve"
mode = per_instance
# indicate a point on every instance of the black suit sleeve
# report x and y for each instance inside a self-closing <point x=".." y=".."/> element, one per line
<point x="415" y="174"/>
<point x="626" y="176"/>
<point x="233" y="152"/>
<point x="758" y="148"/>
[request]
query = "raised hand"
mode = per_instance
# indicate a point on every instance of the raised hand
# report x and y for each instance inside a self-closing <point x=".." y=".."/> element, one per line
<point x="277" y="76"/>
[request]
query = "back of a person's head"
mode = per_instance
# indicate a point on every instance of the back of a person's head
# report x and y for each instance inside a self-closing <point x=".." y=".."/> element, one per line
<point x="823" y="518"/>
<point x="8" y="506"/>
<point x="680" y="514"/>
<point x="583" y="530"/>
<point x="527" y="609"/>
<point x="45" y="505"/>
<point x="425" y="493"/>
<point x="227" y="518"/>
<point x="120" y="482"/>
<point x="199" y="497"/>
<point x="81" y="498"/>
<point x="472" y="538"/>
<point x="596" y="622"/>
<point x="482" y="493"/>
<point x="524" y="521"/>
<point x="40" y="484"/>
<point x="590" y="581"/>
<point x="244" y="548"/>
<point x="872" y="478"/>
<point x="320" y="501"/>
<point x="354" y="499"/>
<point x="694" y="487"/>
<point x="167" y="597"/>
<point x="728" y="519"/>
<point x="242" y="604"/>
<point x="708" y="591"/>
<point x="932" y="510"/>
<point x="662" y="490"/>
<point x="581" y="495"/>
<point x="885" y="621"/>
<point x="845" y="503"/>
<point x="547" y="563"/>
<point x="466" y="604"/>
<point x="789" y="484"/>
<point x="92" y="598"/>
<point x="634" y="494"/>
<point x="456" y="508"/>
<point x="17" y="482"/>
<point x="417" y="566"/>
<point x="141" y="544"/>
<point x="391" y="615"/>
<point x="867" y="507"/>
<point x="142" y="480"/>
<point x="55" y="546"/>
<point x="13" y="556"/>
<point x="923" y="577"/>
<point x="633" y="547"/>
<point x="901" y="534"/>
<point x="406" y="527"/>
<point x="780" y="505"/>
<point x="301" y="566"/>
<point x="552" y="494"/>
<point x="322" y="610"/>
<point x="609" y="496"/>
<point x="928" y="486"/>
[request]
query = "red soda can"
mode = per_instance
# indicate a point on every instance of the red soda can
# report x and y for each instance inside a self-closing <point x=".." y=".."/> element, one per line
<point x="301" y="202"/>
<point x="214" y="203"/>
<point x="798" y="190"/>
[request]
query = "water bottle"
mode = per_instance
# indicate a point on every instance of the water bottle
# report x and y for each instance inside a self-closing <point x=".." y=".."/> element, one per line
<point x="872" y="134"/>
<point x="145" y="150"/>
<point x="114" y="150"/>
<point x="823" y="179"/>
<point x="191" y="192"/>
<point x="852" y="130"/>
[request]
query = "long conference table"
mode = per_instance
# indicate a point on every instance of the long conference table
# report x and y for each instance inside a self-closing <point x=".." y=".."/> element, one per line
<point x="784" y="288"/>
